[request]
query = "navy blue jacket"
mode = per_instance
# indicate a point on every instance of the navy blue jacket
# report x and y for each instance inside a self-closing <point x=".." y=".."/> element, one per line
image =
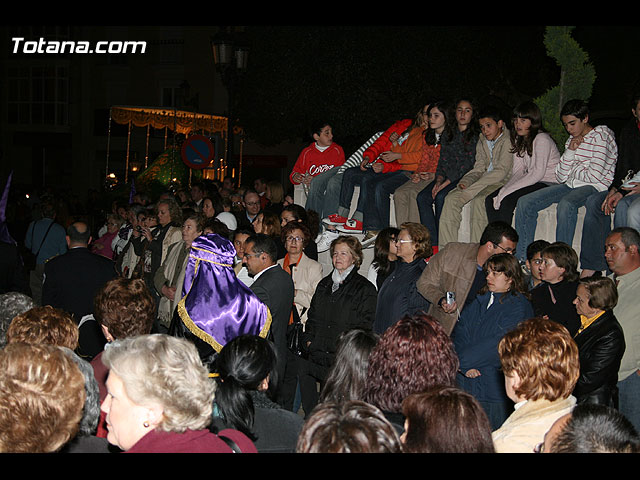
<point x="476" y="337"/>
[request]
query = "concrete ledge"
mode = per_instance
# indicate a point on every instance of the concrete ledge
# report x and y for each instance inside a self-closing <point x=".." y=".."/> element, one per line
<point x="545" y="230"/>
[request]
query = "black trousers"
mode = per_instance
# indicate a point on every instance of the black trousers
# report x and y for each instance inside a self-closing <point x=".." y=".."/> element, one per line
<point x="508" y="203"/>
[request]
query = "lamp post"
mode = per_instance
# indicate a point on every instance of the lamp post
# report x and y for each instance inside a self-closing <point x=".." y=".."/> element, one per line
<point x="230" y="59"/>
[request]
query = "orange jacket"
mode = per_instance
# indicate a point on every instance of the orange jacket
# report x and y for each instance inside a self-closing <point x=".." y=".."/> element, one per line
<point x="411" y="150"/>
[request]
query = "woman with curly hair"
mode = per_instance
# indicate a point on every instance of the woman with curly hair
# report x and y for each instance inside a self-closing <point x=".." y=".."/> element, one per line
<point x="412" y="355"/>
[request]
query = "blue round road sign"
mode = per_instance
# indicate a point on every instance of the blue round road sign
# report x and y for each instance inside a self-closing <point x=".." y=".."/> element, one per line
<point x="197" y="151"/>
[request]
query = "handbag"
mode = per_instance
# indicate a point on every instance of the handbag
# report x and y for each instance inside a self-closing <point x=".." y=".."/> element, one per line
<point x="294" y="335"/>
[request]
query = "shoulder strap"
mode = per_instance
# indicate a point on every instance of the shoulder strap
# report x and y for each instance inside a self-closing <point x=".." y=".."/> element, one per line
<point x="234" y="447"/>
<point x="43" y="238"/>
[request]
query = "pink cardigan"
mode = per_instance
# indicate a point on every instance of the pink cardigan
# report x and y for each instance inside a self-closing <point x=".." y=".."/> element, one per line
<point x="528" y="170"/>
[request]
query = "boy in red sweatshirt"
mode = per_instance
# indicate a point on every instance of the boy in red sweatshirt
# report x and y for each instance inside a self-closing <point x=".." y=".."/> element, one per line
<point x="315" y="166"/>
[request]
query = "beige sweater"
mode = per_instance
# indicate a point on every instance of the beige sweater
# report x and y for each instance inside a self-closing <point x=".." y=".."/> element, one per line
<point x="526" y="426"/>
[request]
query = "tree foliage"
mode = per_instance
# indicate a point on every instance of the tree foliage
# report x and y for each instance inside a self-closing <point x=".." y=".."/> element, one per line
<point x="577" y="76"/>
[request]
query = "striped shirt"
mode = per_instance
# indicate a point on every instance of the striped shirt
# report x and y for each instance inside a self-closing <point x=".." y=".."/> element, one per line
<point x="592" y="163"/>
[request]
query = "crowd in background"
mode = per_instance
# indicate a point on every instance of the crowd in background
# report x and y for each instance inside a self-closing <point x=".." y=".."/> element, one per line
<point x="226" y="318"/>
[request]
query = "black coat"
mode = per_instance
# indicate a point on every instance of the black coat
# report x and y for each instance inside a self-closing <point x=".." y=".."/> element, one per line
<point x="275" y="289"/>
<point x="351" y="306"/>
<point x="399" y="296"/>
<point x="558" y="307"/>
<point x="71" y="282"/>
<point x="601" y="346"/>
<point x="276" y="429"/>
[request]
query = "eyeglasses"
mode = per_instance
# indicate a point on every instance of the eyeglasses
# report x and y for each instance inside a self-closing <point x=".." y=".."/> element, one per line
<point x="294" y="239"/>
<point x="252" y="204"/>
<point x="251" y="255"/>
<point x="397" y="240"/>
<point x="506" y="250"/>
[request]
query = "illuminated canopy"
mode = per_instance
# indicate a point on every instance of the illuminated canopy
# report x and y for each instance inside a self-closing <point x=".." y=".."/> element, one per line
<point x="179" y="121"/>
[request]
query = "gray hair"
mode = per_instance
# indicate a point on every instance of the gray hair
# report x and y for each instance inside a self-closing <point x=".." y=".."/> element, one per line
<point x="91" y="413"/>
<point x="165" y="370"/>
<point x="12" y="304"/>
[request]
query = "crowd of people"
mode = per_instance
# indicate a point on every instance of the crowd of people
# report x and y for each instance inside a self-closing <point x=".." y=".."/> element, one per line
<point x="204" y="320"/>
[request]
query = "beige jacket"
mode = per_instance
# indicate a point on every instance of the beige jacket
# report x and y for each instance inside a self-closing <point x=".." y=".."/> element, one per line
<point x="306" y="276"/>
<point x="525" y="428"/>
<point x="452" y="269"/>
<point x="478" y="178"/>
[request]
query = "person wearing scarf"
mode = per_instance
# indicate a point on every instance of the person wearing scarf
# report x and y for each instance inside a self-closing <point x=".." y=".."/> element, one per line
<point x="343" y="300"/>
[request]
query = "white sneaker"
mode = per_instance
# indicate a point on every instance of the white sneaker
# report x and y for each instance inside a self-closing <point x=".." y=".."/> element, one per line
<point x="369" y="239"/>
<point x="324" y="242"/>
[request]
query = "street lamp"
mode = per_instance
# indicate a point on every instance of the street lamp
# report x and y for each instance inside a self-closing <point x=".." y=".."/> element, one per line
<point x="231" y="61"/>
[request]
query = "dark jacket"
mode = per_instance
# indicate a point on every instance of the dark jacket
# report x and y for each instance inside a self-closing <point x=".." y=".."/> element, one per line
<point x="276" y="429"/>
<point x="476" y="337"/>
<point x="628" y="154"/>
<point x="556" y="301"/>
<point x="71" y="282"/>
<point x="601" y="346"/>
<point x="353" y="305"/>
<point x="399" y="296"/>
<point x="274" y="287"/>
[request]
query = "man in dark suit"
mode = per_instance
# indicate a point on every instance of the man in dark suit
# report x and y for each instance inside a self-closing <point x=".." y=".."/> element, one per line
<point x="71" y="282"/>
<point x="274" y="287"/>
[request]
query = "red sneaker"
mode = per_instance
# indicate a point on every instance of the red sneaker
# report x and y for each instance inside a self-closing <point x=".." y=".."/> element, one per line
<point x="351" y="226"/>
<point x="335" y="219"/>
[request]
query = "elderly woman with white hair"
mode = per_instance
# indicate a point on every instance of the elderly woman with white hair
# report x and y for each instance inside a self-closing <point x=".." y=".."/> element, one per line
<point x="160" y="399"/>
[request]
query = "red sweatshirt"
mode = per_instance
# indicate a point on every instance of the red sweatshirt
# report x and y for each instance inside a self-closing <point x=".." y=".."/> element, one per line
<point x="313" y="161"/>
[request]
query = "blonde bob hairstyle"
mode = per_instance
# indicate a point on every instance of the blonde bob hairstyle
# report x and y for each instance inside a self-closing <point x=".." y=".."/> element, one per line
<point x="43" y="397"/>
<point x="159" y="369"/>
<point x="355" y="247"/>
<point x="544" y="356"/>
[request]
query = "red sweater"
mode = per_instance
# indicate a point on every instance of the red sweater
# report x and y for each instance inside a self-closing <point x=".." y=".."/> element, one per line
<point x="382" y="143"/>
<point x="191" y="441"/>
<point x="313" y="161"/>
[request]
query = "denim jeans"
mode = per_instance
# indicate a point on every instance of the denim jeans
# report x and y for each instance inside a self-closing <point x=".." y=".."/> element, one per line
<point x="597" y="225"/>
<point x="378" y="211"/>
<point x="430" y="209"/>
<point x="628" y="212"/>
<point x="569" y="200"/>
<point x="629" y="398"/>
<point x="322" y="196"/>
<point x="351" y="178"/>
